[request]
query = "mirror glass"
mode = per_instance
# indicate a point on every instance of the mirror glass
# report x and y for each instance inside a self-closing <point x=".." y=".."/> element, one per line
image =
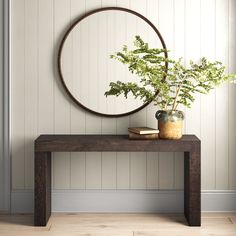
<point x="85" y="64"/>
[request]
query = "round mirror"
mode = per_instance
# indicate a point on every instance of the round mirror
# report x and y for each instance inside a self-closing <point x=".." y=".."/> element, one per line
<point x="84" y="62"/>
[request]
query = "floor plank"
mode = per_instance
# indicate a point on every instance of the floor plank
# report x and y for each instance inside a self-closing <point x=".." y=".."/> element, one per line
<point x="213" y="224"/>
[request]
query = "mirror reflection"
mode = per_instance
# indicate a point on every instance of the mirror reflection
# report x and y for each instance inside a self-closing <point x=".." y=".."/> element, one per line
<point x="85" y="64"/>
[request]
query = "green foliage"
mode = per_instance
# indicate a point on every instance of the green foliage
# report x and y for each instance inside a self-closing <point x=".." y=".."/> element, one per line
<point x="166" y="87"/>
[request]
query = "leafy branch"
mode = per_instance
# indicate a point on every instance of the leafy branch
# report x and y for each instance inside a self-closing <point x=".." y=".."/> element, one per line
<point x="166" y="87"/>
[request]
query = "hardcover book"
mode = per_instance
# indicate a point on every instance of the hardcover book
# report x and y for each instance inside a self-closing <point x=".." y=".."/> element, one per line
<point x="143" y="136"/>
<point x="143" y="130"/>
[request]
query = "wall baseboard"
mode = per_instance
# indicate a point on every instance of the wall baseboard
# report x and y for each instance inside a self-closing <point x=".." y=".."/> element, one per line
<point x="123" y="201"/>
<point x="218" y="200"/>
<point x="22" y="201"/>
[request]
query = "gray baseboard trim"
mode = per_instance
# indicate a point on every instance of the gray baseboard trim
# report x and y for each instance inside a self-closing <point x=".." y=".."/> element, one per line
<point x="123" y="201"/>
<point x="218" y="200"/>
<point x="119" y="201"/>
<point x="22" y="201"/>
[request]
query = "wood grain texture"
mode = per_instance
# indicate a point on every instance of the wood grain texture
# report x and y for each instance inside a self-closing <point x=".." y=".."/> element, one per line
<point x="192" y="185"/>
<point x="42" y="194"/>
<point x="119" y="225"/>
<point x="45" y="144"/>
<point x="109" y="143"/>
<point x="184" y="30"/>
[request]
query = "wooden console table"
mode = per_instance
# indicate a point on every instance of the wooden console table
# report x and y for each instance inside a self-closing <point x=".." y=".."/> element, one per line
<point x="46" y="144"/>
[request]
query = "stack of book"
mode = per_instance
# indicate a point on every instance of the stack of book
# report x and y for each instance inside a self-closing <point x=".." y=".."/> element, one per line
<point x="143" y="133"/>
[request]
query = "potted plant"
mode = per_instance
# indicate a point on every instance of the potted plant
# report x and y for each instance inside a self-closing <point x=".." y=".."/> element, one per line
<point x="167" y="87"/>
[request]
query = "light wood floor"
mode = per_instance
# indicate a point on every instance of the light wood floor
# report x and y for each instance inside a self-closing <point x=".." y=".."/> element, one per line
<point x="119" y="225"/>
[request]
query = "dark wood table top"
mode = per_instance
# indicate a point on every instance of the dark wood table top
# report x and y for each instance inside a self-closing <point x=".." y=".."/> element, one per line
<point x="111" y="143"/>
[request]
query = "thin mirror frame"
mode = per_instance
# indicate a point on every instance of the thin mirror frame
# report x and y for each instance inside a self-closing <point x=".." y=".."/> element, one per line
<point x="60" y="54"/>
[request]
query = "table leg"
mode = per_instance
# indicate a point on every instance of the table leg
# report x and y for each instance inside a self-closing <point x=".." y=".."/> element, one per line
<point x="42" y="188"/>
<point x="192" y="187"/>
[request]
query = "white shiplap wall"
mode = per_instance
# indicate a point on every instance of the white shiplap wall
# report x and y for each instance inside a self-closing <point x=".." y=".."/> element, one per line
<point x="191" y="28"/>
<point x="1" y="111"/>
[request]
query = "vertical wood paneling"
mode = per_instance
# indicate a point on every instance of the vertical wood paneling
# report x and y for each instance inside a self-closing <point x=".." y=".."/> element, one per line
<point x="93" y="123"/>
<point x="166" y="160"/>
<point x="93" y="126"/>
<point x="61" y="170"/>
<point x="77" y="115"/>
<point x="77" y="170"/>
<point x="232" y="95"/>
<point x="62" y="21"/>
<point x="179" y="51"/>
<point x="192" y="51"/>
<point x="31" y="86"/>
<point x="61" y="161"/>
<point x="138" y="161"/>
<point x="83" y="61"/>
<point x="139" y="118"/>
<point x="152" y="170"/>
<point x="179" y="170"/>
<point x="123" y="3"/>
<point x="179" y="45"/>
<point x="191" y="29"/>
<point x="152" y="14"/>
<point x="121" y="71"/>
<point x="166" y="170"/>
<point x="92" y="58"/>
<point x="45" y="67"/>
<point x="110" y="101"/>
<point x="109" y="170"/>
<point x="17" y="93"/>
<point x="108" y="124"/>
<point x="152" y="158"/>
<point x="109" y="3"/>
<point x="208" y="113"/>
<point x="151" y="120"/>
<point x="179" y="28"/>
<point x="222" y="112"/>
<point x="123" y="122"/>
<point x="93" y="170"/>
<point x="123" y="170"/>
<point x="138" y="175"/>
